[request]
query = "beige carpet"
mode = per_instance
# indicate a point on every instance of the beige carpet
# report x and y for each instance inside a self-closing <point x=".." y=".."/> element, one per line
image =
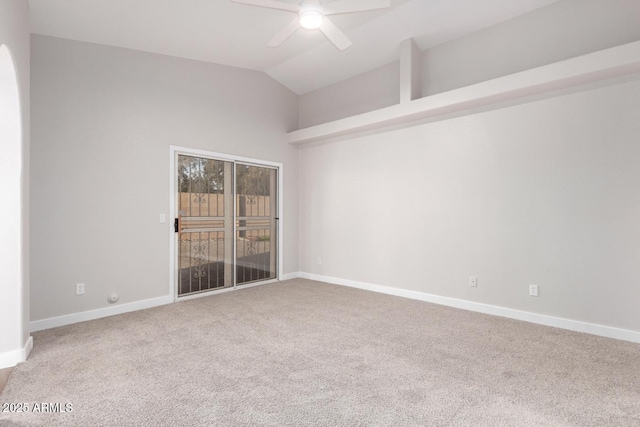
<point x="302" y="353"/>
<point x="4" y="377"/>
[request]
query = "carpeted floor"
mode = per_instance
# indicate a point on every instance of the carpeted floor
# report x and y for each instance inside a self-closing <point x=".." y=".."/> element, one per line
<point x="302" y="353"/>
<point x="4" y="376"/>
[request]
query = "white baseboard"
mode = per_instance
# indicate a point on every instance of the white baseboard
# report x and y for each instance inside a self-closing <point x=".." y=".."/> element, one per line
<point x="10" y="359"/>
<point x="541" y="319"/>
<point x="54" y="322"/>
<point x="289" y="276"/>
<point x="21" y="355"/>
<point x="69" y="319"/>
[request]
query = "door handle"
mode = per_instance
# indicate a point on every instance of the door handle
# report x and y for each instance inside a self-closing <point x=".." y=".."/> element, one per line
<point x="176" y="225"/>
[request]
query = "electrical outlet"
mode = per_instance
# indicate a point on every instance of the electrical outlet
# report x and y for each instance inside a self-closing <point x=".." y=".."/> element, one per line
<point x="473" y="282"/>
<point x="163" y="218"/>
<point x="319" y="261"/>
<point x="533" y="290"/>
<point x="80" y="289"/>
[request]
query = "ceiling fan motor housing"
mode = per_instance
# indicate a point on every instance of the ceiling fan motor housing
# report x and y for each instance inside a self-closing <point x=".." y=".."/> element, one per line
<point x="311" y="15"/>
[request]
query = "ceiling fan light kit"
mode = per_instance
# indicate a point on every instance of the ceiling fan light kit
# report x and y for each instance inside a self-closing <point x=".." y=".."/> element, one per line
<point x="311" y="19"/>
<point x="312" y="15"/>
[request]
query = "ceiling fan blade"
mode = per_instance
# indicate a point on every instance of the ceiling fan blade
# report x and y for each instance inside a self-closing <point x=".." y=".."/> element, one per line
<point x="286" y="32"/>
<point x="335" y="34"/>
<point x="350" y="6"/>
<point x="271" y="4"/>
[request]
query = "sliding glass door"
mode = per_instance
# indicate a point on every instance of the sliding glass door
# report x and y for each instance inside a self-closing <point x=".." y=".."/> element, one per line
<point x="226" y="224"/>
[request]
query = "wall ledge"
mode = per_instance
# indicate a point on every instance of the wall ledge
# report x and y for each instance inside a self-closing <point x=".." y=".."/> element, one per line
<point x="593" y="67"/>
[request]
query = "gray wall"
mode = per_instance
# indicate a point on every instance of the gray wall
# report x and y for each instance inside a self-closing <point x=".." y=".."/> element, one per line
<point x="14" y="191"/>
<point x="541" y="193"/>
<point x="562" y="30"/>
<point x="367" y="92"/>
<point x="103" y="121"/>
<point x="536" y="193"/>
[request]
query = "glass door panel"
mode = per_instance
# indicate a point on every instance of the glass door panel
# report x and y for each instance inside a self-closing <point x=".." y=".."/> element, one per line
<point x="205" y="226"/>
<point x="256" y="223"/>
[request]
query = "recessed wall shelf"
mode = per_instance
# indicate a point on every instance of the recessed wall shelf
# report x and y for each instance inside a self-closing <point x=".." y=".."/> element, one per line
<point x="590" y="68"/>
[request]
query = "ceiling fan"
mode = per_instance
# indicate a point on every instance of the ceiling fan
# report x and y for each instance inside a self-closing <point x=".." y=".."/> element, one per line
<point x="312" y="14"/>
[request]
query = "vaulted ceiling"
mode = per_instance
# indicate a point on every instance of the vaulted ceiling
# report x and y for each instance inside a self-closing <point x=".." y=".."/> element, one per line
<point x="223" y="32"/>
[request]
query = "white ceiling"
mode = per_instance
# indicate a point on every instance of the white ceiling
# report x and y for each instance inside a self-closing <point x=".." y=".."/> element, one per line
<point x="223" y="32"/>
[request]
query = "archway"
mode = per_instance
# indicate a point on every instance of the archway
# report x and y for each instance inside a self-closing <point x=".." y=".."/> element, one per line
<point x="11" y="245"/>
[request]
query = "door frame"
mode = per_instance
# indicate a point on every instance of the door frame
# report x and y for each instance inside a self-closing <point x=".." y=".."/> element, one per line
<point x="174" y="151"/>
